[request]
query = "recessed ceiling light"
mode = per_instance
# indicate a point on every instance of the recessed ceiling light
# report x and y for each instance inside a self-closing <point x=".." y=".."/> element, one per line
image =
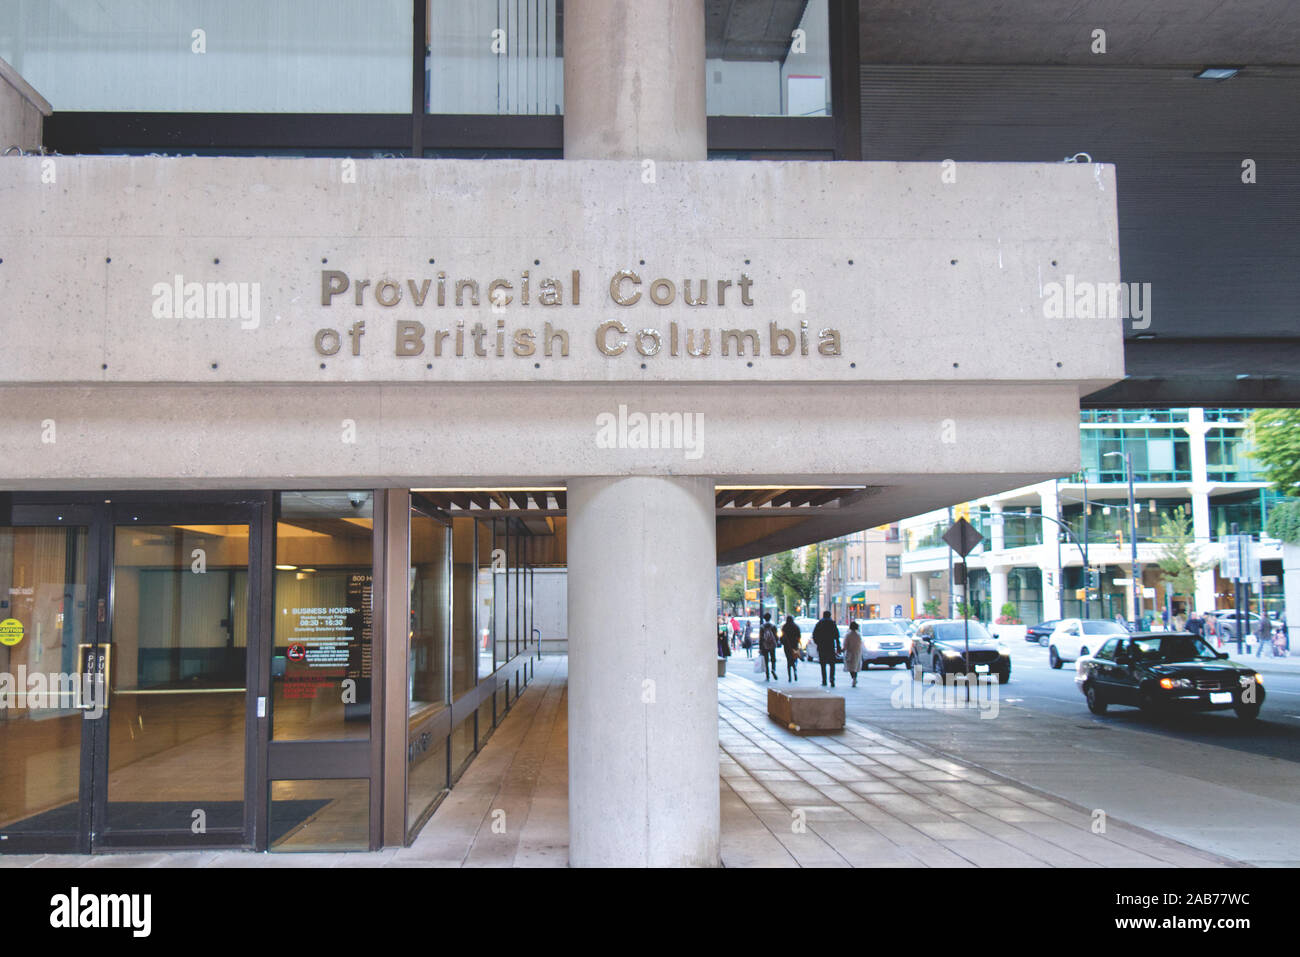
<point x="1218" y="73"/>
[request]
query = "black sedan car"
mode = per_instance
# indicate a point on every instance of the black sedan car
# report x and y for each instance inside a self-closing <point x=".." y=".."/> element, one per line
<point x="1164" y="672"/>
<point x="940" y="646"/>
<point x="1037" y="634"/>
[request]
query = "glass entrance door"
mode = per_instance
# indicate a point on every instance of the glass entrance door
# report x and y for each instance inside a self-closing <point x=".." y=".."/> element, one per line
<point x="174" y="759"/>
<point x="46" y="602"/>
<point x="134" y="634"/>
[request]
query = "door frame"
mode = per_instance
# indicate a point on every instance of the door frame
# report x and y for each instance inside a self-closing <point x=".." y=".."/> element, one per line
<point x="100" y="513"/>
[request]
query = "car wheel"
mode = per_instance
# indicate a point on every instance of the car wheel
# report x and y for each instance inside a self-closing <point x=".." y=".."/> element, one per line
<point x="1053" y="658"/>
<point x="1004" y="676"/>
<point x="1044" y="642"/>
<point x="892" y="663"/>
<point x="1096" y="703"/>
<point x="1246" y="712"/>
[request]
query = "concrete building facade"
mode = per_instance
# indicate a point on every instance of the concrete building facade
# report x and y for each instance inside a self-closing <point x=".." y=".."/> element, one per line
<point x="373" y="393"/>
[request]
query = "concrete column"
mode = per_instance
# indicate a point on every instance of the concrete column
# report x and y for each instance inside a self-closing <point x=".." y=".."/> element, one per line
<point x="643" y="695"/>
<point x="998" y="588"/>
<point x="1291" y="591"/>
<point x="997" y="531"/>
<point x="1200" y="488"/>
<point x="921" y="590"/>
<point x="634" y="80"/>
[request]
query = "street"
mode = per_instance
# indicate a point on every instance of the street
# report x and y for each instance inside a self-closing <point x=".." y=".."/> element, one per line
<point x="1208" y="780"/>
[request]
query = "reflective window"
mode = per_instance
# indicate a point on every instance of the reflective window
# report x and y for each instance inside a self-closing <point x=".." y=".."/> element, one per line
<point x="496" y="57"/>
<point x="43" y="608"/>
<point x="237" y="56"/>
<point x="767" y="60"/>
<point x="320" y="815"/>
<point x="430" y="611"/>
<point x="321" y="664"/>
<point x="464" y="640"/>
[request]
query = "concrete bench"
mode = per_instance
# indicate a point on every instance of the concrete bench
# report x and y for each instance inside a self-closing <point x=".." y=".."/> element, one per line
<point x="806" y="710"/>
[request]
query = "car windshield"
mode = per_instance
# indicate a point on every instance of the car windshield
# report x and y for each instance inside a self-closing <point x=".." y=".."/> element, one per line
<point x="1173" y="648"/>
<point x="879" y="628"/>
<point x="1103" y="628"/>
<point x="956" y="630"/>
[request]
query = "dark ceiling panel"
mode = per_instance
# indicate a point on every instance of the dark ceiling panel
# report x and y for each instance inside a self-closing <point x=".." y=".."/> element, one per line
<point x="1137" y="32"/>
<point x="1223" y="256"/>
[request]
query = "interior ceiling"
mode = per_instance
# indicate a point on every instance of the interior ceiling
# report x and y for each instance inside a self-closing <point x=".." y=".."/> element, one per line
<point x="750" y="29"/>
<point x="1059" y="32"/>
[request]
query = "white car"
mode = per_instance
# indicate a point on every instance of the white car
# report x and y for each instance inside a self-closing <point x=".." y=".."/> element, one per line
<point x="883" y="642"/>
<point x="1074" y="638"/>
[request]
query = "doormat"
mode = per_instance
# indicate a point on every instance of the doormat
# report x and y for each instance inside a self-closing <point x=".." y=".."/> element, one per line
<point x="170" y="816"/>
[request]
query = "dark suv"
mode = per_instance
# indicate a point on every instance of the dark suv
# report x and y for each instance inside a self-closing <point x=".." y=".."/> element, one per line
<point x="1164" y="671"/>
<point x="940" y="646"/>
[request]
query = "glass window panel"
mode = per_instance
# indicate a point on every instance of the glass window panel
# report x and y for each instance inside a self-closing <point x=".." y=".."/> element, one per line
<point x="504" y="590"/>
<point x="320" y="815"/>
<point x="324" y="632"/>
<point x="462" y="746"/>
<point x="485" y="720"/>
<point x="426" y="773"/>
<point x="777" y="65"/>
<point x="43" y="589"/>
<point x="490" y="600"/>
<point x="430" y="611"/>
<point x="238" y="56"/>
<point x="464" y="642"/>
<point x="495" y="57"/>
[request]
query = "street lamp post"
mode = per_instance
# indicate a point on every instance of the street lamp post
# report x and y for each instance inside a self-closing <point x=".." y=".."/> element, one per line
<point x="1133" y="543"/>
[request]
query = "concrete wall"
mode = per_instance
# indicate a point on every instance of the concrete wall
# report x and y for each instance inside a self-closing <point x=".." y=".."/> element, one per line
<point x="550" y="606"/>
<point x="22" y="111"/>
<point x="911" y="271"/>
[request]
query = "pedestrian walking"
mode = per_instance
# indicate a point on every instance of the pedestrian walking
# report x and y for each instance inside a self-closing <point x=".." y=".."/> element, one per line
<point x="1196" y="625"/>
<point x="748" y="640"/>
<point x="791" y="641"/>
<point x="853" y="651"/>
<point x="724" y="645"/>
<point x="1263" y="634"/>
<point x="767" y="642"/>
<point x="826" y="636"/>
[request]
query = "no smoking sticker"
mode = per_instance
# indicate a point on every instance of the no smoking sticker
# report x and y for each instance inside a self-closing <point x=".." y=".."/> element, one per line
<point x="11" y="632"/>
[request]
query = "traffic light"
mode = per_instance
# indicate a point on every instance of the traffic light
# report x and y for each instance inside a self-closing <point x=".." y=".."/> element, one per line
<point x="751" y="594"/>
<point x="961" y="511"/>
<point x="1119" y="536"/>
<point x="751" y="571"/>
<point x="1094" y="579"/>
<point x="1081" y="594"/>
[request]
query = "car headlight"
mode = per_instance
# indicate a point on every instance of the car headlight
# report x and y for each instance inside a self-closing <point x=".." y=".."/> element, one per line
<point x="1171" y="683"/>
<point x="1248" y="680"/>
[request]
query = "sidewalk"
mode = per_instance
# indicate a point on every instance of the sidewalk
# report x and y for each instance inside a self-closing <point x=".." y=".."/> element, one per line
<point x="860" y="798"/>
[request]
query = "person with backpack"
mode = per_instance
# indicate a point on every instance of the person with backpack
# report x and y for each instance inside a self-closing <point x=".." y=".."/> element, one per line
<point x="790" y="641"/>
<point x="767" y="642"/>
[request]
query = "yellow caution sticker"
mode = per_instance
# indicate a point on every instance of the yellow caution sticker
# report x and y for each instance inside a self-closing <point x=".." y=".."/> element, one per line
<point x="11" y="632"/>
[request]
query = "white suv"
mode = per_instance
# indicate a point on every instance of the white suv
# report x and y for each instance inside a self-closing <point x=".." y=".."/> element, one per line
<point x="1075" y="637"/>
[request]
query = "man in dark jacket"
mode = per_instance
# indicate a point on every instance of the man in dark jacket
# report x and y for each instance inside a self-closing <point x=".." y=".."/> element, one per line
<point x="826" y="636"/>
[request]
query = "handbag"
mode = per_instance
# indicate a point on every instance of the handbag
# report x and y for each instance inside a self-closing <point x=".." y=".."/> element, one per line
<point x="760" y="665"/>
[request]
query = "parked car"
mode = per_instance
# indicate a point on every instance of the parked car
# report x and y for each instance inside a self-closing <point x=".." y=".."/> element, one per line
<point x="1075" y="637"/>
<point x="1167" y="671"/>
<point x="940" y="646"/>
<point x="1038" y="633"/>
<point x="1225" y="622"/>
<point x="883" y="642"/>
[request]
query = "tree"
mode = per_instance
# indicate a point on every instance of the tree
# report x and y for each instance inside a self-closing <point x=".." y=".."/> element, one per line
<point x="932" y="606"/>
<point x="1284" y="522"/>
<point x="1179" y="558"/>
<point x="733" y="594"/>
<point x="796" y="584"/>
<point x="1275" y="435"/>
